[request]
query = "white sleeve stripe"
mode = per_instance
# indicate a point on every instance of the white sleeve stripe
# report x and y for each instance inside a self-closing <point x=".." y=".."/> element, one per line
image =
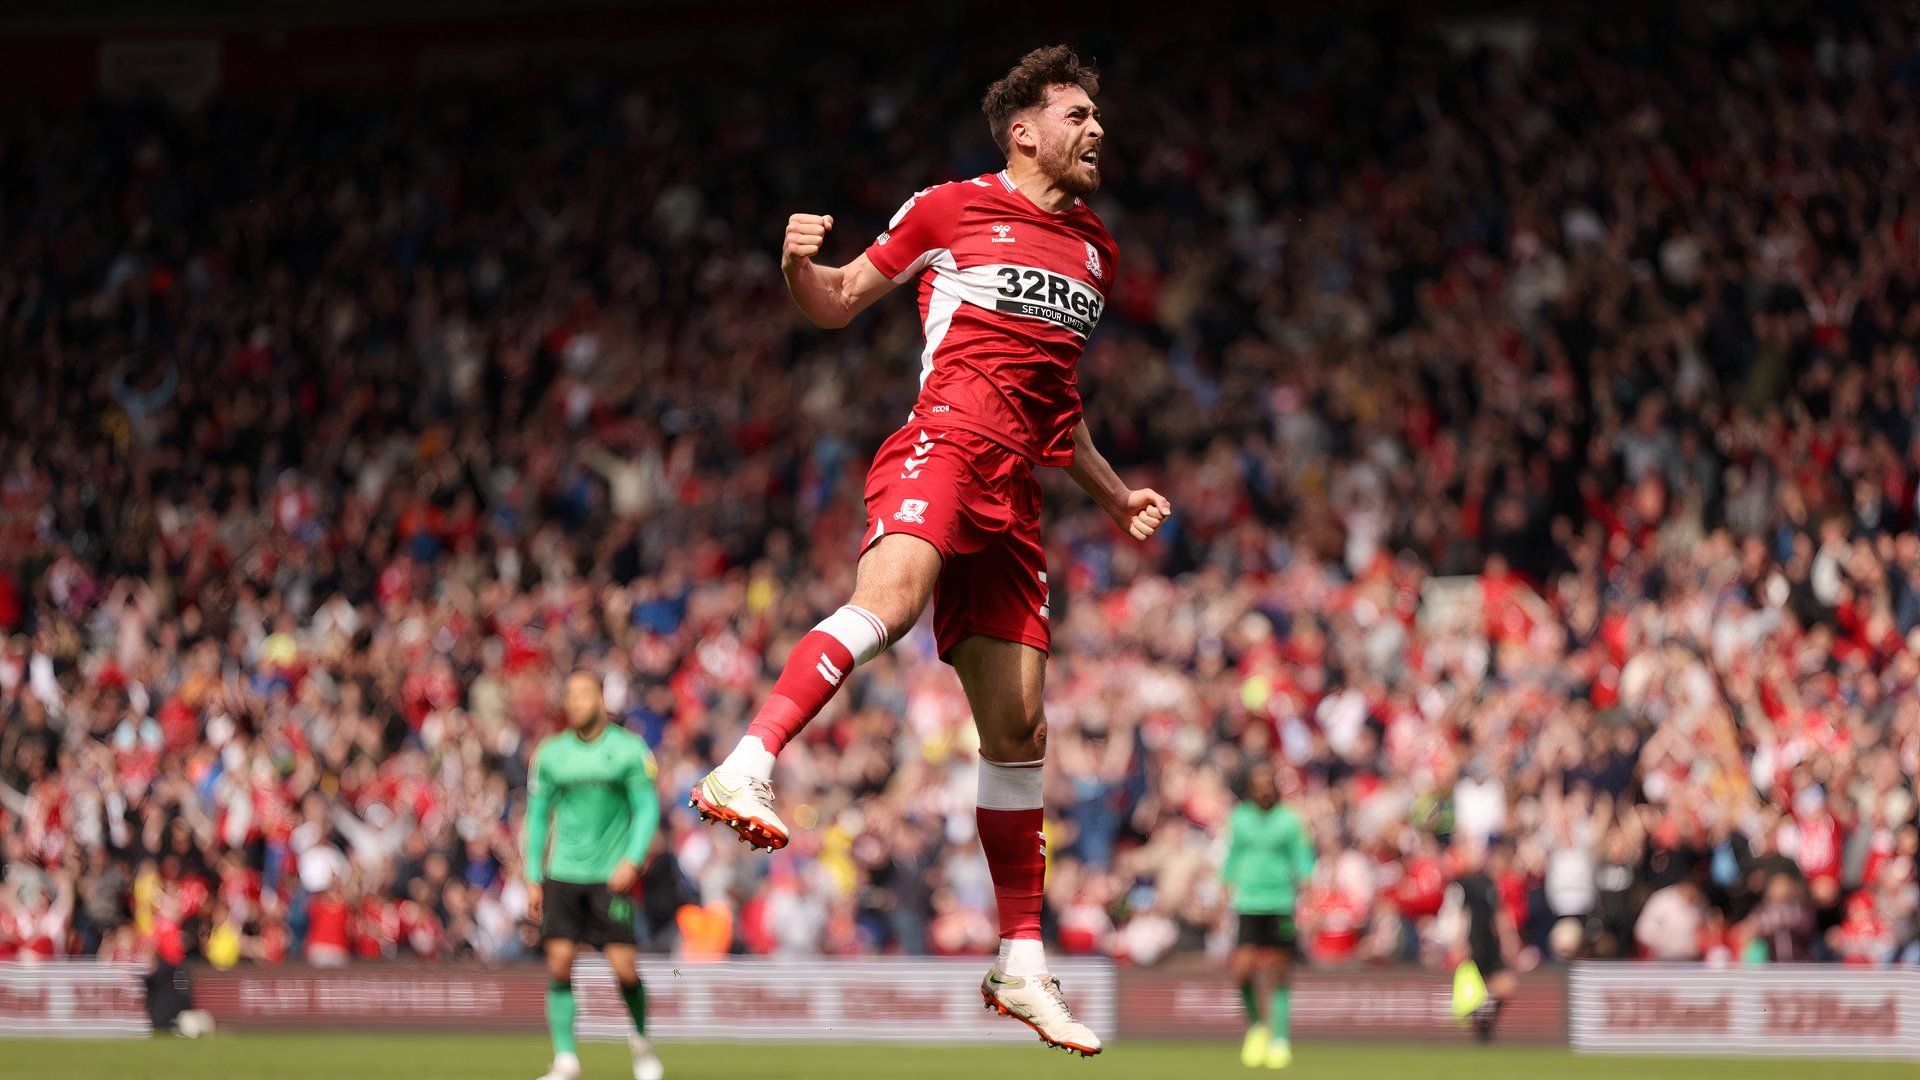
<point x="940" y="311"/>
<point x="913" y="268"/>
<point x="900" y="214"/>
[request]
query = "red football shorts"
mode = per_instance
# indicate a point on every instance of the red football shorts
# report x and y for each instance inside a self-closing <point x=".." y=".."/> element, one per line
<point x="978" y="504"/>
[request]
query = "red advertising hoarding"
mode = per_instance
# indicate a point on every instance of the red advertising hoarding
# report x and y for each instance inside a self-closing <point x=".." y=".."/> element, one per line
<point x="860" y="1000"/>
<point x="1774" y="1010"/>
<point x="85" y="999"/>
<point x="1393" y="1003"/>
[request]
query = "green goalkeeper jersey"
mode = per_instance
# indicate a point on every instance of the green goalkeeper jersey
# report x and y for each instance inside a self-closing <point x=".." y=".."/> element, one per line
<point x="1269" y="855"/>
<point x="598" y="798"/>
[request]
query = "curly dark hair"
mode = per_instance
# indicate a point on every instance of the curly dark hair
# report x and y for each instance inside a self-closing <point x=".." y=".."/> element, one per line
<point x="1025" y="86"/>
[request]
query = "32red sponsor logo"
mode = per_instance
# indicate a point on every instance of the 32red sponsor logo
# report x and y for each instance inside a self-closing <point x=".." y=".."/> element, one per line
<point x="1816" y="1013"/>
<point x="1661" y="1010"/>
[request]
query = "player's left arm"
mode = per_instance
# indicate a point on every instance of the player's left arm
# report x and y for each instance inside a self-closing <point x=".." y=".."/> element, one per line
<point x="644" y="800"/>
<point x="1304" y="857"/>
<point x="1140" y="511"/>
<point x="1236" y="851"/>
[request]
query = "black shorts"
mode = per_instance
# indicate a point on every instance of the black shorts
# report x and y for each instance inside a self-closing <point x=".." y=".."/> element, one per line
<point x="589" y="914"/>
<point x="1488" y="958"/>
<point x="1268" y="931"/>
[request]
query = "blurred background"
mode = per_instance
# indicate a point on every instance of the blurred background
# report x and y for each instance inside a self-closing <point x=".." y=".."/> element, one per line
<point x="1536" y="391"/>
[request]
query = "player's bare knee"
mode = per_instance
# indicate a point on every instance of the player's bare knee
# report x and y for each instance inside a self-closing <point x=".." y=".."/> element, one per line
<point x="897" y="610"/>
<point x="1242" y="964"/>
<point x="1018" y="738"/>
<point x="625" y="965"/>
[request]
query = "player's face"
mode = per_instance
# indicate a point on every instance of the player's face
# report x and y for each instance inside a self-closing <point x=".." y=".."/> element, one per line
<point x="583" y="703"/>
<point x="1069" y="136"/>
<point x="1262" y="788"/>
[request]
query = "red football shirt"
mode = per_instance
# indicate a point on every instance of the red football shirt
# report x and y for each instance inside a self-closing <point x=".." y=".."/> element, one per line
<point x="1008" y="294"/>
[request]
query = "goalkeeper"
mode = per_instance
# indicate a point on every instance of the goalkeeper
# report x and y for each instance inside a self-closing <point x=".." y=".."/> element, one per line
<point x="592" y="790"/>
<point x="1269" y="856"/>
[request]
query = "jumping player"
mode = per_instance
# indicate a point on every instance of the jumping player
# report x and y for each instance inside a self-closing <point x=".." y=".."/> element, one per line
<point x="594" y="782"/>
<point x="1012" y="271"/>
<point x="1269" y="856"/>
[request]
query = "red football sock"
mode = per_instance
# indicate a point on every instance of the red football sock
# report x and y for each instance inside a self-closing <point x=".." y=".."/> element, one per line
<point x="815" y="669"/>
<point x="1010" y="820"/>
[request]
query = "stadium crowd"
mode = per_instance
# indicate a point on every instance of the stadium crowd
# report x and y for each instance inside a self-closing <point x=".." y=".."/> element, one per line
<point x="1540" y="436"/>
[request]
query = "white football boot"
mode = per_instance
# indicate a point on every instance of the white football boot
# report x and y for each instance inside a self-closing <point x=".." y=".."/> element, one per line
<point x="565" y="1067"/>
<point x="1036" y="1001"/>
<point x="646" y="1063"/>
<point x="742" y="803"/>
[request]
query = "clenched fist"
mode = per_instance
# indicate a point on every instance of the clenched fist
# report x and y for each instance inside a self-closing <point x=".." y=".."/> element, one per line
<point x="1143" y="513"/>
<point x="805" y="234"/>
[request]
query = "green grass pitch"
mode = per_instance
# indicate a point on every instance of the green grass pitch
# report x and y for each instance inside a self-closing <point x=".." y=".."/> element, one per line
<point x="522" y="1057"/>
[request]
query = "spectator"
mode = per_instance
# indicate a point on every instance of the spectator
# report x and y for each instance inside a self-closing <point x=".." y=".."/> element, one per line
<point x="1672" y="923"/>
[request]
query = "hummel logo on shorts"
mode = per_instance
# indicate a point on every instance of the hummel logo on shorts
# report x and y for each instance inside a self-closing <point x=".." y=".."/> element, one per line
<point x="918" y="458"/>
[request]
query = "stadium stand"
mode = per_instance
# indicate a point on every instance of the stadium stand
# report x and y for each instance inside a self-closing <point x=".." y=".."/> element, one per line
<point x="1541" y="437"/>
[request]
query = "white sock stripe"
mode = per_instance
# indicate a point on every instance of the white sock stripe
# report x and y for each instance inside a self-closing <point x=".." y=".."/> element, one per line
<point x="1034" y="764"/>
<point x="857" y="630"/>
<point x="879" y="627"/>
<point x="1010" y="787"/>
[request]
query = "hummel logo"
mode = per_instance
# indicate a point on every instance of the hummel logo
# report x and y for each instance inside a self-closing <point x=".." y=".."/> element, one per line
<point x="918" y="459"/>
<point x="828" y="671"/>
<point x="1003" y="234"/>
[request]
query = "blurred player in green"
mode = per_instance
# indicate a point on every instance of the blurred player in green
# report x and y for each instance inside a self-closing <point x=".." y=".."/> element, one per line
<point x="592" y="789"/>
<point x="1269" y="856"/>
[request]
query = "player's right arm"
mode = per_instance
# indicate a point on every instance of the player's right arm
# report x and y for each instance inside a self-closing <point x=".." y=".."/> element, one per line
<point x="829" y="296"/>
<point x="1302" y="855"/>
<point x="539" y="811"/>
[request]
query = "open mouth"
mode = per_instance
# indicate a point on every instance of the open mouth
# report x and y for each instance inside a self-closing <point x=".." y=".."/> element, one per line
<point x="1091" y="157"/>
